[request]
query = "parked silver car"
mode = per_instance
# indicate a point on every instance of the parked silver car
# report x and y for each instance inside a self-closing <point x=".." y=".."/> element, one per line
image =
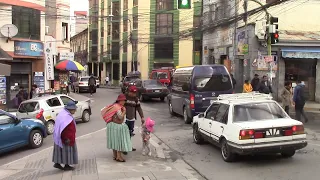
<point x="51" y="106"/>
<point x="82" y="84"/>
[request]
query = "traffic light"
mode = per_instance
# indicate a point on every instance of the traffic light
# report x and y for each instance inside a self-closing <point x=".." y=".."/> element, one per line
<point x="273" y="30"/>
<point x="184" y="4"/>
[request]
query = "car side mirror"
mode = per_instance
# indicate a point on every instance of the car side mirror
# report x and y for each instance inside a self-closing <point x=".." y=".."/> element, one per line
<point x="76" y="102"/>
<point x="16" y="120"/>
<point x="201" y="115"/>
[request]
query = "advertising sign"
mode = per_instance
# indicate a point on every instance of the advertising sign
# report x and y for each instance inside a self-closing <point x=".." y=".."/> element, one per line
<point x="38" y="80"/>
<point x="49" y="60"/>
<point x="242" y="46"/>
<point x="22" y="48"/>
<point x="3" y="90"/>
<point x="66" y="56"/>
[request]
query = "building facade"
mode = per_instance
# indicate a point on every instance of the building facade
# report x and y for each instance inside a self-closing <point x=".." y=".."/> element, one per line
<point x="141" y="36"/>
<point x="23" y="52"/>
<point x="78" y="22"/>
<point x="294" y="57"/>
<point x="79" y="45"/>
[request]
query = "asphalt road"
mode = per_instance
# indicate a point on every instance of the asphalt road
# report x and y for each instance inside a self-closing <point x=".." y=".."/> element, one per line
<point x="206" y="159"/>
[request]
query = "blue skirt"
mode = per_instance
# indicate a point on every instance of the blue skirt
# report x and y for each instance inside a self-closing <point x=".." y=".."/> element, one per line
<point x="66" y="155"/>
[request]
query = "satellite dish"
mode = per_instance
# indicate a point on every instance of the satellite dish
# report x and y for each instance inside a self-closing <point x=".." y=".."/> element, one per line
<point x="9" y="30"/>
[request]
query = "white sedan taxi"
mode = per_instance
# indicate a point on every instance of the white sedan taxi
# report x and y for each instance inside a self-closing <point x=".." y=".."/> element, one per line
<point x="248" y="123"/>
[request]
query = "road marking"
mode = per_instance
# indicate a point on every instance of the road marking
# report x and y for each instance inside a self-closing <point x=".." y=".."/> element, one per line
<point x="85" y="135"/>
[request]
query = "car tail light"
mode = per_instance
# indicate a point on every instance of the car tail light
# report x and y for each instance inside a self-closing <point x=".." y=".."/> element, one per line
<point x="258" y="135"/>
<point x="288" y="132"/>
<point x="297" y="130"/>
<point x="191" y="101"/>
<point x="40" y="114"/>
<point x="149" y="90"/>
<point x="246" y="134"/>
<point x="81" y="83"/>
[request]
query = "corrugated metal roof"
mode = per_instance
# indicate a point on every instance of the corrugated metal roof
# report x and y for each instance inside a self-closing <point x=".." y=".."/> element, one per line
<point x="299" y="35"/>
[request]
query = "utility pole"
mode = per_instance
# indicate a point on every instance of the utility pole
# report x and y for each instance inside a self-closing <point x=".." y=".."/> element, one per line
<point x="132" y="41"/>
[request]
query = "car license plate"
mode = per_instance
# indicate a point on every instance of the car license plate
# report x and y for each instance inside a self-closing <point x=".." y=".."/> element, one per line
<point x="156" y="90"/>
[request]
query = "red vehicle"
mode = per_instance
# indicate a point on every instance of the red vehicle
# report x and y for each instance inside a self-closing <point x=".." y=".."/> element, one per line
<point x="163" y="74"/>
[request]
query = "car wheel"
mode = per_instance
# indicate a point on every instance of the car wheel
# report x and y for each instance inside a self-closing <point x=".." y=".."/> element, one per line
<point x="226" y="153"/>
<point x="186" y="118"/>
<point x="35" y="139"/>
<point x="288" y="154"/>
<point x="50" y="127"/>
<point x="162" y="98"/>
<point x="171" y="108"/>
<point x="85" y="116"/>
<point x="197" y="138"/>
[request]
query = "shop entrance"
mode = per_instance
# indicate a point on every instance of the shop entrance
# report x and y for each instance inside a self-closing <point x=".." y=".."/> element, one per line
<point x="304" y="70"/>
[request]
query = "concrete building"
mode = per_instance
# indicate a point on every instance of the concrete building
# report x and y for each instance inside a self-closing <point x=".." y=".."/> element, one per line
<point x="142" y="35"/>
<point x="79" y="45"/>
<point x="78" y="22"/>
<point x="24" y="51"/>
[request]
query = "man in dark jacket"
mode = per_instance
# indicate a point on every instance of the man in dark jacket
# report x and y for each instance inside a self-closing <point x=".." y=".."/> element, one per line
<point x="132" y="106"/>
<point x="265" y="86"/>
<point x="92" y="83"/>
<point x="255" y="83"/>
<point x="299" y="100"/>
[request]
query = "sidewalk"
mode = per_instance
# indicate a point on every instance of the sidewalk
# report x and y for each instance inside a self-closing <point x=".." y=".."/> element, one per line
<point x="95" y="162"/>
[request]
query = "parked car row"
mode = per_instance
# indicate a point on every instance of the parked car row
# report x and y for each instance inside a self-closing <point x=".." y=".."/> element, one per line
<point x="35" y="119"/>
<point x="240" y="124"/>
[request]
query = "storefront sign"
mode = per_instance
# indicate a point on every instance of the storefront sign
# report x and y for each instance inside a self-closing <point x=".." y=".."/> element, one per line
<point x="242" y="45"/>
<point x="49" y="61"/>
<point x="301" y="55"/>
<point x="28" y="48"/>
<point x="66" y="56"/>
<point x="3" y="90"/>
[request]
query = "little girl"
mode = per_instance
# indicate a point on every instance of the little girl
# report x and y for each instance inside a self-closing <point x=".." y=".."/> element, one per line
<point x="147" y="128"/>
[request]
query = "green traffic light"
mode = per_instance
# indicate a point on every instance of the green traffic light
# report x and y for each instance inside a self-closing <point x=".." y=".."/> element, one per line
<point x="184" y="4"/>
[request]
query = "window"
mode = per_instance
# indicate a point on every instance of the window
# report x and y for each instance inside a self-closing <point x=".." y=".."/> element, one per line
<point x="125" y="46"/>
<point x="196" y="21"/>
<point x="135" y="22"/>
<point x="102" y="32"/>
<point x="197" y="45"/>
<point x="212" y="111"/>
<point x="163" y="47"/>
<point x="164" y="4"/>
<point x="134" y="46"/>
<point x="125" y="25"/>
<point x="53" y="102"/>
<point x="4" y="119"/>
<point x="64" y="31"/>
<point x="28" y="107"/>
<point x="135" y="2"/>
<point x="164" y="24"/>
<point x="94" y="36"/>
<point x="109" y="30"/>
<point x="115" y="51"/>
<point x="221" y="113"/>
<point x="258" y="111"/>
<point x="125" y="4"/>
<point x="65" y="100"/>
<point x="115" y="31"/>
<point x="115" y="11"/>
<point x="27" y="21"/>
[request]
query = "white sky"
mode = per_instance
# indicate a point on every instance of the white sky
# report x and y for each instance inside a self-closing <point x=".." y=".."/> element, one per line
<point x="79" y="5"/>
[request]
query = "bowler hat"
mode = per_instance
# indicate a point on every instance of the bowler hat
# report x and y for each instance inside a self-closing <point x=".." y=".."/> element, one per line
<point x="71" y="105"/>
<point x="121" y="97"/>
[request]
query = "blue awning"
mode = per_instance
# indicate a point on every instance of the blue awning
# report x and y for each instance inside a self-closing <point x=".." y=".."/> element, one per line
<point x="301" y="53"/>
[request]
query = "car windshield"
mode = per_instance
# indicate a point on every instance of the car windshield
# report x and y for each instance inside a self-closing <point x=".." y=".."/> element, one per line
<point x="257" y="112"/>
<point x="84" y="79"/>
<point x="28" y="107"/>
<point x="152" y="83"/>
<point x="162" y="75"/>
<point x="131" y="78"/>
<point x="212" y="79"/>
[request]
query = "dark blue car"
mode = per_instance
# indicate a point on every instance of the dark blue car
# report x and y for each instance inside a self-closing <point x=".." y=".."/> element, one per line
<point x="16" y="133"/>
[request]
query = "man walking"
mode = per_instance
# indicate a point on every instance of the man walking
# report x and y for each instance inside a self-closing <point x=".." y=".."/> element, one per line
<point x="132" y="106"/>
<point x="255" y="83"/>
<point x="92" y="83"/>
<point x="299" y="100"/>
<point x="107" y="80"/>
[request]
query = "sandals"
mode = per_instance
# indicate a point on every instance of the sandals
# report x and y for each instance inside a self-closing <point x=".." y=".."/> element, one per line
<point x="118" y="160"/>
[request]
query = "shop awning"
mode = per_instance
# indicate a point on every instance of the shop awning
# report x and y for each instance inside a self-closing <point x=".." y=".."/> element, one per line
<point x="301" y="53"/>
<point x="5" y="69"/>
<point x="4" y="56"/>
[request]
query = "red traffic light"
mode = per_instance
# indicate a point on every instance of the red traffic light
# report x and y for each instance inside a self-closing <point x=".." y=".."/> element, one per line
<point x="276" y="36"/>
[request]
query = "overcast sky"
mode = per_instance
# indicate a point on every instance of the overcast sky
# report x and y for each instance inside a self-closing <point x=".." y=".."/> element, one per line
<point x="79" y="5"/>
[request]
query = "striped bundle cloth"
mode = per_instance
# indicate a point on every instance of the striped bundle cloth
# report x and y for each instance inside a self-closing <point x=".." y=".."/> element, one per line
<point x="108" y="112"/>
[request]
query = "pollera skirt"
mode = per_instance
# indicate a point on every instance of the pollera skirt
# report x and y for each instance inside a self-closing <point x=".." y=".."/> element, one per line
<point x="118" y="137"/>
<point x="66" y="155"/>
